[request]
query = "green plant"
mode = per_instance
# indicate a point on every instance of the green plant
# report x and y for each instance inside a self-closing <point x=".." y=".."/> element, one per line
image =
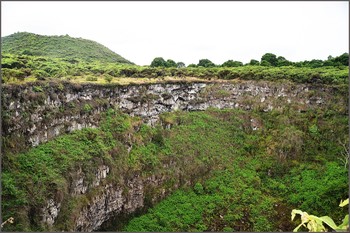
<point x="315" y="224"/>
<point x="108" y="78"/>
<point x="91" y="78"/>
<point x="87" y="108"/>
<point x="158" y="62"/>
<point x="37" y="89"/>
<point x="205" y="63"/>
<point x="60" y="87"/>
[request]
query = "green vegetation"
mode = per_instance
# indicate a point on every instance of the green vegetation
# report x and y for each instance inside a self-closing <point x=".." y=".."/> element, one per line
<point x="205" y="63"/>
<point x="21" y="68"/>
<point x="160" y="62"/>
<point x="255" y="187"/>
<point x="232" y="177"/>
<point x="27" y="57"/>
<point x="65" y="47"/>
<point x="220" y="173"/>
<point x="315" y="224"/>
<point x="268" y="59"/>
<point x="231" y="63"/>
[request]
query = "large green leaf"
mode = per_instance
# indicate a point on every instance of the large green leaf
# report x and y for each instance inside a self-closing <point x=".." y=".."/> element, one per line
<point x="329" y="222"/>
<point x="345" y="224"/>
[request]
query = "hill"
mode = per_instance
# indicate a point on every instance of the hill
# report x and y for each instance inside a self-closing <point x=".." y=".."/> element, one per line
<point x="24" y="43"/>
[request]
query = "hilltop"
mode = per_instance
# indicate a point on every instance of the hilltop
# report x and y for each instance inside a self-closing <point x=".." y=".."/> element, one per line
<point x="66" y="47"/>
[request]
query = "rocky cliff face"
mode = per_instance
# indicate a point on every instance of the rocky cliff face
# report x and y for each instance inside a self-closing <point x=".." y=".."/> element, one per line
<point x="33" y="114"/>
<point x="107" y="199"/>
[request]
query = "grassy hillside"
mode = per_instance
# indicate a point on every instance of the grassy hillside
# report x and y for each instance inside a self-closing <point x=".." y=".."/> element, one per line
<point x="58" y="47"/>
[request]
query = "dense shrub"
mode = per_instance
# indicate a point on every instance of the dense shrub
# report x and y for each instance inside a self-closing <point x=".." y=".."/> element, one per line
<point x="43" y="68"/>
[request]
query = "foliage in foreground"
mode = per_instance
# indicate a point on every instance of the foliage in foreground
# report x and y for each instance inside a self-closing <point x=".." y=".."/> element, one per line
<point x="315" y="224"/>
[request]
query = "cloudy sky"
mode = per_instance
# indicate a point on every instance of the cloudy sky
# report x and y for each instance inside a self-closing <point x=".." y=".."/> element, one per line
<point x="189" y="31"/>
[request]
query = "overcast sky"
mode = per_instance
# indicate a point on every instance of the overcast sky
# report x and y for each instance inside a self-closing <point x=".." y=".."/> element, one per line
<point x="189" y="31"/>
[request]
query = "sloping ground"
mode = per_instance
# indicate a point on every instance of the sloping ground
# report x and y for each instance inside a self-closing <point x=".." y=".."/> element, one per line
<point x="248" y="168"/>
<point x="66" y="47"/>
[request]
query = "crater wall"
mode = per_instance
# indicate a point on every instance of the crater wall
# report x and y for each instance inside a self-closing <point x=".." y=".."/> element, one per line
<point x="33" y="114"/>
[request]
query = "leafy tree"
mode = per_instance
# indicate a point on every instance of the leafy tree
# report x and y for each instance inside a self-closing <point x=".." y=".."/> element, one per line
<point x="158" y="62"/>
<point x="281" y="61"/>
<point x="270" y="57"/>
<point x="180" y="65"/>
<point x="171" y="63"/>
<point x="192" y="65"/>
<point x="231" y="63"/>
<point x="315" y="63"/>
<point x="329" y="62"/>
<point x="265" y="63"/>
<point x="254" y="62"/>
<point x="206" y="63"/>
<point x="343" y="59"/>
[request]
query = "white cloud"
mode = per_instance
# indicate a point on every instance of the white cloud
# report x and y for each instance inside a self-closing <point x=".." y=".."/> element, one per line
<point x="189" y="31"/>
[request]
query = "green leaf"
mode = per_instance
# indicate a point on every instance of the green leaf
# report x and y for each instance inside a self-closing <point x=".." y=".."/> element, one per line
<point x="329" y="222"/>
<point x="345" y="224"/>
<point x="344" y="203"/>
<point x="297" y="228"/>
<point x="295" y="211"/>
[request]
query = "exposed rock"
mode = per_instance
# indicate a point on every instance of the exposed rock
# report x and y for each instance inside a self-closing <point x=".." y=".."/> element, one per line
<point x="50" y="212"/>
<point x="113" y="200"/>
<point x="69" y="109"/>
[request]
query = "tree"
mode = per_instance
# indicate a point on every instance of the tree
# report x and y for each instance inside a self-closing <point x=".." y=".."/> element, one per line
<point x="254" y="62"/>
<point x="330" y="57"/>
<point x="192" y="65"/>
<point x="231" y="63"/>
<point x="180" y="64"/>
<point x="281" y="61"/>
<point x="206" y="63"/>
<point x="328" y="62"/>
<point x="270" y="58"/>
<point x="315" y="63"/>
<point x="265" y="63"/>
<point x="158" y="62"/>
<point x="170" y="63"/>
<point x="343" y="59"/>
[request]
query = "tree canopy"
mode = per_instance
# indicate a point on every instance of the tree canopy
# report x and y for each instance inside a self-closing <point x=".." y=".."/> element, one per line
<point x="231" y="63"/>
<point x="206" y="63"/>
<point x="270" y="58"/>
